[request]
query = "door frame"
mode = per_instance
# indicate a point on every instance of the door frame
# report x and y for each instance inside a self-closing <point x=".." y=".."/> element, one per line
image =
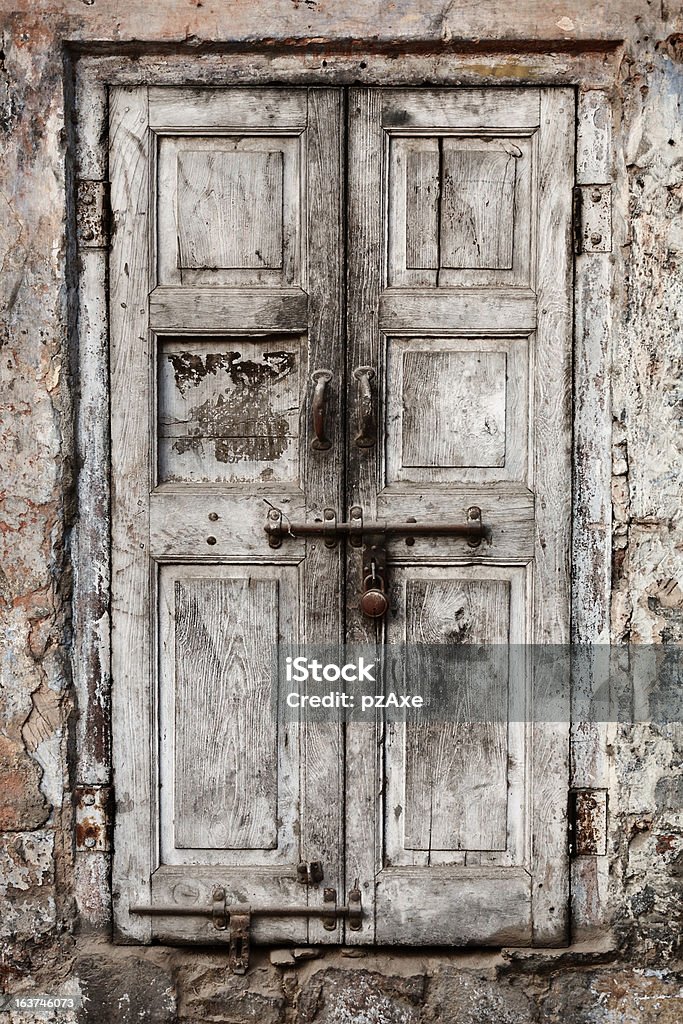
<point x="593" y="74"/>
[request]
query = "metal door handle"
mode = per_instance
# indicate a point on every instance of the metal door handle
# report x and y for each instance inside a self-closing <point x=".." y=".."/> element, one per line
<point x="321" y="378"/>
<point x="367" y="434"/>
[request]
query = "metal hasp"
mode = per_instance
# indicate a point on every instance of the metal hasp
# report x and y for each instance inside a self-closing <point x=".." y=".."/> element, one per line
<point x="372" y="536"/>
<point x="235" y="918"/>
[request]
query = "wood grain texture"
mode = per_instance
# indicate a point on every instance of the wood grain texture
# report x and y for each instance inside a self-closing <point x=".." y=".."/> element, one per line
<point x="198" y="310"/>
<point x="453" y="409"/>
<point x="457" y="409"/>
<point x="552" y="475"/>
<point x="322" y="768"/>
<point x="460" y="108"/>
<point x="228" y="670"/>
<point x="229" y="210"/>
<point x="422" y="201"/>
<point x="457" y="309"/>
<point x="493" y="310"/>
<point x="455" y="772"/>
<point x="433" y="604"/>
<point x="477" y="208"/>
<point x="468" y="907"/>
<point x="184" y="517"/>
<point x="365" y="183"/>
<point x="466" y="203"/>
<point x="227" y="108"/>
<point x="225" y="732"/>
<point x="132" y="664"/>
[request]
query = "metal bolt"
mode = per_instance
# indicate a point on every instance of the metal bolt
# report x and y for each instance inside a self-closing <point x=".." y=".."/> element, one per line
<point x="213" y="516"/>
<point x="596" y="195"/>
<point x="211" y="540"/>
<point x="89" y="799"/>
<point x="89" y="842"/>
<point x="596" y="239"/>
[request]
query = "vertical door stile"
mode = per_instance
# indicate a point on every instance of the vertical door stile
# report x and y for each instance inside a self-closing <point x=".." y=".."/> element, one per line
<point x="132" y="646"/>
<point x="552" y="483"/>
<point x="322" y="743"/>
<point x="364" y="175"/>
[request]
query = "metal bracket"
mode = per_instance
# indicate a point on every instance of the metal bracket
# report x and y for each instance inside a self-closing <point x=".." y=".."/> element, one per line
<point x="310" y="874"/>
<point x="593" y="218"/>
<point x="93" y="813"/>
<point x="92" y="215"/>
<point x="588" y="822"/>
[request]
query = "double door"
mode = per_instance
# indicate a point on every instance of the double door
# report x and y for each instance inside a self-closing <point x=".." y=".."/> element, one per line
<point x="351" y="302"/>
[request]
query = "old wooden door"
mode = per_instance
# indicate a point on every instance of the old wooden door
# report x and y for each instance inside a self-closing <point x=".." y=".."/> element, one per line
<point x="414" y="245"/>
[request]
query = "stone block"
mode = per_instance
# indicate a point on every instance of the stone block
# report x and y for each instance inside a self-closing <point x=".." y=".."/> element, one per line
<point x="353" y="996"/>
<point x="125" y="990"/>
<point x="26" y="884"/>
<point x="213" y="994"/>
<point x="459" y="997"/>
<point x="22" y="805"/>
<point x="617" y="996"/>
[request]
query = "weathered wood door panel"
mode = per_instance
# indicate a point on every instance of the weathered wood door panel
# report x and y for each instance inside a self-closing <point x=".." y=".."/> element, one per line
<point x="226" y="278"/>
<point x="466" y="319"/>
<point x="233" y="210"/>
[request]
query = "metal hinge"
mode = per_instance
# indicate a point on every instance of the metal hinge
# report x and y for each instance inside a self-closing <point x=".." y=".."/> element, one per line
<point x="588" y="822"/>
<point x="235" y="918"/>
<point x="593" y="218"/>
<point x="92" y="215"/>
<point x="93" y="814"/>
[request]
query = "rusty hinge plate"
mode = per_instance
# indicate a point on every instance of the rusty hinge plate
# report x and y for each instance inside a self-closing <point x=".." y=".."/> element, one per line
<point x="93" y="805"/>
<point x="92" y="214"/>
<point x="588" y="822"/>
<point x="593" y="218"/>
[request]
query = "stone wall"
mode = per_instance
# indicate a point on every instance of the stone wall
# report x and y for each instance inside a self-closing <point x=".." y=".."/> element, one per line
<point x="631" y="972"/>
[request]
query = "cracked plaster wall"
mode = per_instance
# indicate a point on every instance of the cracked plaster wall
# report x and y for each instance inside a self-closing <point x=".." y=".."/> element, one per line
<point x="41" y="940"/>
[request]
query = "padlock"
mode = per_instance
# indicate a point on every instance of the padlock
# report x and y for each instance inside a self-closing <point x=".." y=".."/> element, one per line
<point x="374" y="601"/>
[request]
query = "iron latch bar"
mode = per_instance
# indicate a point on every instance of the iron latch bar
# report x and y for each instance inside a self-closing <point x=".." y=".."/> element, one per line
<point x="278" y="526"/>
<point x="236" y="917"/>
